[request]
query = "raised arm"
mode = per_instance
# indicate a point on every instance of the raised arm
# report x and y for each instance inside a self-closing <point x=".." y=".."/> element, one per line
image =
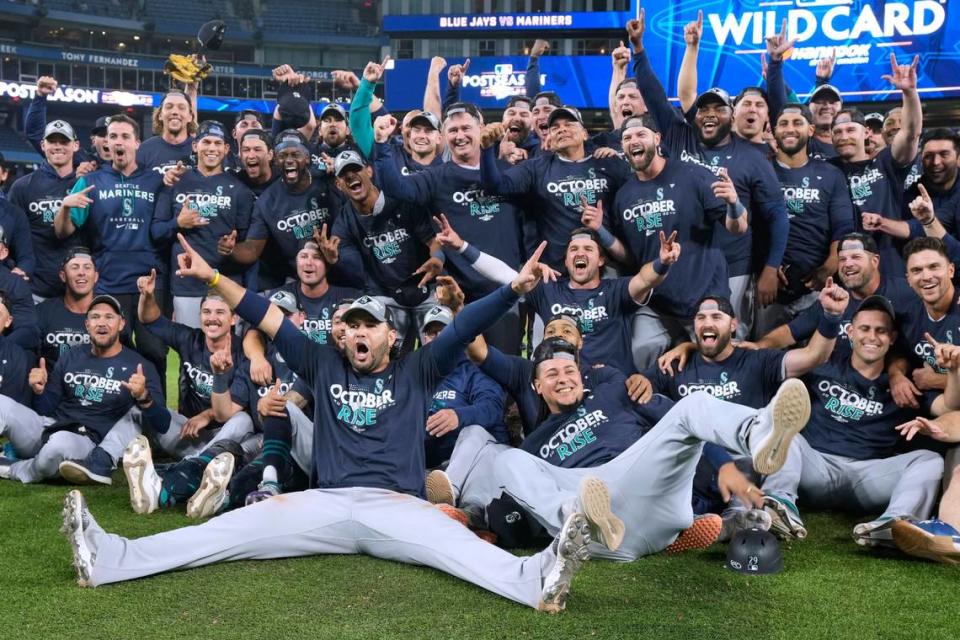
<point x="777" y="46"/>
<point x="653" y="273"/>
<point x="797" y="362"/>
<point x="147" y="308"/>
<point x="431" y="92"/>
<point x="647" y="82"/>
<point x="687" y="80"/>
<point x="905" y="144"/>
<point x="619" y="59"/>
<point x="531" y="79"/>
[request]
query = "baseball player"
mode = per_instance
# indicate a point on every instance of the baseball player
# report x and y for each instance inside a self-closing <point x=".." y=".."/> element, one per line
<point x="90" y="391"/>
<point x="369" y="420"/>
<point x="24" y="330"/>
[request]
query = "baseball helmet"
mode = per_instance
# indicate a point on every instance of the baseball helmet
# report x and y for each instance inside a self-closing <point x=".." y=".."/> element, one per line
<point x="754" y="551"/>
<point x="210" y="36"/>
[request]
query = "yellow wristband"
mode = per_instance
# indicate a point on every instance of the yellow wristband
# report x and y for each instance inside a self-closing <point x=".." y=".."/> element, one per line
<point x="215" y="280"/>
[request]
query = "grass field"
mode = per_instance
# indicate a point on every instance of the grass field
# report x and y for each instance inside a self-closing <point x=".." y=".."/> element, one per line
<point x="830" y="588"/>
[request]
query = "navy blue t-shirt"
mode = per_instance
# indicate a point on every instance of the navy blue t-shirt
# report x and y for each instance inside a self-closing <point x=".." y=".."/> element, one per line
<point x="946" y="206"/>
<point x="86" y="390"/>
<point x="489" y="222"/>
<point x="820" y="211"/>
<point x="159" y="155"/>
<point x="15" y="365"/>
<point x="246" y="393"/>
<point x="196" y="376"/>
<point x="284" y="219"/>
<point x="601" y="427"/>
<point x="318" y="312"/>
<point x="60" y="330"/>
<point x="556" y="189"/>
<point x="39" y="195"/>
<point x="605" y="315"/>
<point x="222" y="200"/>
<point x="850" y="415"/>
<point x="24" y="330"/>
<point x="916" y="322"/>
<point x="747" y="377"/>
<point x="679" y="199"/>
<point x="383" y="249"/>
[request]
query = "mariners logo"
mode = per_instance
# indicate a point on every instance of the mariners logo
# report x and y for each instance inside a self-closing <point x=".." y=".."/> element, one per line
<point x="587" y="316"/>
<point x="89" y="388"/>
<point x="724" y="388"/>
<point x="798" y="197"/>
<point x="318" y="328"/>
<point x="572" y="189"/>
<point x="358" y="408"/>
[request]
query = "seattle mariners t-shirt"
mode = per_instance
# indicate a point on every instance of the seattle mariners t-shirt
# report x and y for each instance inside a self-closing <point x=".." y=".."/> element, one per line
<point x="196" y="376"/>
<point x="318" y="312"/>
<point x="284" y="219"/>
<point x="747" y="377"/>
<point x="159" y="155"/>
<point x="917" y="322"/>
<point x="246" y="393"/>
<point x="601" y="427"/>
<point x="60" y="329"/>
<point x="679" y="199"/>
<point x="15" y="365"/>
<point x="604" y="314"/>
<point x="222" y="200"/>
<point x="851" y="415"/>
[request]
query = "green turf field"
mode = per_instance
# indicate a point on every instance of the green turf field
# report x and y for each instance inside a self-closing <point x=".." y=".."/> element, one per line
<point x="830" y="589"/>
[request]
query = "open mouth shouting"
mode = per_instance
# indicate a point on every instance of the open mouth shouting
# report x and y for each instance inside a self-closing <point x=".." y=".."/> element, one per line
<point x="708" y="338"/>
<point x="355" y="186"/>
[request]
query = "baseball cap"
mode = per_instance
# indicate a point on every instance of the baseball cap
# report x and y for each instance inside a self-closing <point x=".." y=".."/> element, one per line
<point x="876" y="302"/>
<point x="211" y="128"/>
<point x="758" y="90"/>
<point x="463" y="107"/>
<point x="108" y="300"/>
<point x="76" y="252"/>
<point x="827" y="91"/>
<point x="552" y="348"/>
<point x="290" y="138"/>
<point x="440" y="314"/>
<point x="796" y="107"/>
<point x="514" y="100"/>
<point x="714" y="94"/>
<point x="721" y="303"/>
<point x="258" y="133"/>
<point x="370" y="306"/>
<point x="294" y="109"/>
<point x="563" y="317"/>
<point x="286" y="301"/>
<point x="646" y="121"/>
<point x="100" y="127"/>
<point x="425" y="117"/>
<point x="852" y="115"/>
<point x="550" y="96"/>
<point x="566" y="111"/>
<point x="585" y="232"/>
<point x="874" y="117"/>
<point x="348" y="158"/>
<point x="59" y="127"/>
<point x="857" y="240"/>
<point x="334" y="108"/>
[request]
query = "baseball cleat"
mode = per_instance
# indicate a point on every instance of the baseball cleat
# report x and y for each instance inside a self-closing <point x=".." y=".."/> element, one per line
<point x="94" y="469"/>
<point x="876" y="533"/>
<point x="76" y="520"/>
<point x="439" y="488"/>
<point x="571" y="550"/>
<point x="737" y="519"/>
<point x="785" y="522"/>
<point x="212" y="494"/>
<point x="142" y="479"/>
<point x="931" y="539"/>
<point x="701" y="534"/>
<point x="782" y="419"/>
<point x="607" y="528"/>
<point x="453" y="513"/>
<point x="5" y="464"/>
<point x="265" y="491"/>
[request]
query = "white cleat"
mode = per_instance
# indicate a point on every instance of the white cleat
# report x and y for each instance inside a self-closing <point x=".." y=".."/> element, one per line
<point x="876" y="533"/>
<point x="142" y="479"/>
<point x="782" y="419"/>
<point x="604" y="524"/>
<point x="76" y="520"/>
<point x="212" y="493"/>
<point x="439" y="488"/>
<point x="737" y="519"/>
<point x="570" y="547"/>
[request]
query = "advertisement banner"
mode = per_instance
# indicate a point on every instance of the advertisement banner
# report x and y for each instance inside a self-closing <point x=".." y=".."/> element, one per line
<point x="860" y="34"/>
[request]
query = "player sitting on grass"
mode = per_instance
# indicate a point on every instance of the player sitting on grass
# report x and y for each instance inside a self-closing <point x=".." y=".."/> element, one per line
<point x="370" y="422"/>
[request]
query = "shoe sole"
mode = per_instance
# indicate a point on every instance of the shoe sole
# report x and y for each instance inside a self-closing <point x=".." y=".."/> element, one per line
<point x="216" y="477"/>
<point x="73" y="506"/>
<point x="572" y="552"/>
<point x="780" y="523"/>
<point x="453" y="513"/>
<point x="914" y="541"/>
<point x="791" y="411"/>
<point x="595" y="500"/>
<point x="881" y="536"/>
<point x="75" y="474"/>
<point x="136" y="458"/>
<point x="701" y="534"/>
<point x="439" y="488"/>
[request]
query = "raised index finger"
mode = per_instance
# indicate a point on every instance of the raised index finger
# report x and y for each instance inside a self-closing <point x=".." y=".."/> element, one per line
<point x="929" y="338"/>
<point x="923" y="191"/>
<point x="539" y="252"/>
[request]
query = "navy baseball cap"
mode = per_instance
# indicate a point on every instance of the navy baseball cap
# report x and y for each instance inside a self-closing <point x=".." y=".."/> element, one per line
<point x="760" y="91"/>
<point x="515" y="100"/>
<point x="720" y="303"/>
<point x="567" y="112"/>
<point x="294" y="109"/>
<point x="77" y="252"/>
<point x="552" y="348"/>
<point x="100" y="127"/>
<point x="827" y="91"/>
<point x="850" y="114"/>
<point x="646" y="120"/>
<point x="345" y="159"/>
<point x="291" y="138"/>
<point x="876" y="302"/>
<point x="796" y="107"/>
<point x="550" y="96"/>
<point x="713" y="95"/>
<point x="107" y="299"/>
<point x="211" y="128"/>
<point x="463" y="107"/>
<point x="370" y="306"/>
<point x="251" y="114"/>
<point x="260" y="134"/>
<point x="563" y="317"/>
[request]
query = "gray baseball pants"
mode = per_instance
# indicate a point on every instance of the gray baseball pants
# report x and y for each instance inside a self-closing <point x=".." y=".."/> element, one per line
<point x="375" y="522"/>
<point x="237" y="428"/>
<point x="650" y="483"/>
<point x="902" y="485"/>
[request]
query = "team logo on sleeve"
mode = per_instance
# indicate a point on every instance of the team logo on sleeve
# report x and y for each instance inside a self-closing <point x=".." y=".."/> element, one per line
<point x="575" y="435"/>
<point x="848" y="406"/>
<point x="357" y="407"/>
